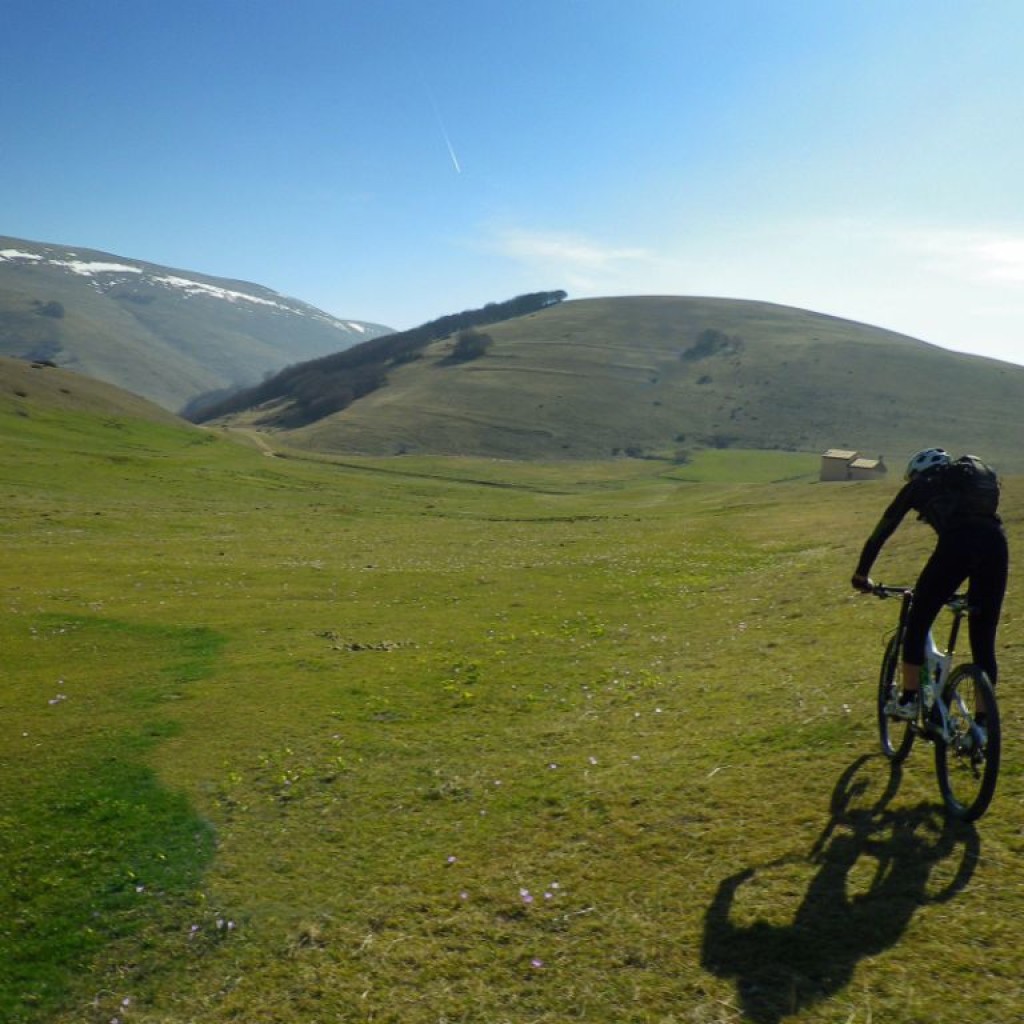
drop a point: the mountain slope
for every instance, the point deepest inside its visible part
(169, 335)
(28, 390)
(306, 392)
(652, 375)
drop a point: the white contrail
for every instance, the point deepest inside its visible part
(444, 132)
(451, 151)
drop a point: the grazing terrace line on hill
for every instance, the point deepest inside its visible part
(662, 376)
(310, 390)
(658, 377)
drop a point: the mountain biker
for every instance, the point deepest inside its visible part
(971, 546)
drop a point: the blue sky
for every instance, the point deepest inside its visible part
(395, 161)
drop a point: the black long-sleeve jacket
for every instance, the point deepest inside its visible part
(935, 499)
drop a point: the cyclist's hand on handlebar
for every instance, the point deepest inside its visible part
(862, 583)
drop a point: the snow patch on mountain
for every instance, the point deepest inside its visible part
(108, 274)
(16, 254)
(94, 268)
(81, 267)
(90, 269)
(198, 288)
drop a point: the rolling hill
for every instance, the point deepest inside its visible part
(31, 390)
(169, 335)
(662, 376)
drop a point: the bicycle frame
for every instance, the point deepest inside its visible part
(938, 662)
(967, 750)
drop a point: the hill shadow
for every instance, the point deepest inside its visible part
(875, 866)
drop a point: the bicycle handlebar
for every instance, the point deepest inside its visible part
(957, 602)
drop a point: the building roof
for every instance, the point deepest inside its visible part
(840, 453)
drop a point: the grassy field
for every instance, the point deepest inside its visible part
(412, 740)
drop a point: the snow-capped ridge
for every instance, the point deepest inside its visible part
(172, 335)
(106, 274)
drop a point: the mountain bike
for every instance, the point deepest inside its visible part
(966, 753)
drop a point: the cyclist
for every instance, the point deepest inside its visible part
(971, 546)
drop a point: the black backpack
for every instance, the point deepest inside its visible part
(976, 485)
(958, 492)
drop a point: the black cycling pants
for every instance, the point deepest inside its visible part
(976, 552)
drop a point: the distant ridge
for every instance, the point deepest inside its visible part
(662, 376)
(169, 335)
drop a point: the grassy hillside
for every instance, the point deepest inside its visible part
(35, 391)
(418, 740)
(311, 390)
(660, 376)
(169, 335)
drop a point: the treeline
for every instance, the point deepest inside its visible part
(308, 391)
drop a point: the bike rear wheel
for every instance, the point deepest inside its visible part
(967, 764)
(895, 736)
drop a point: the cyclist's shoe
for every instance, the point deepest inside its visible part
(903, 707)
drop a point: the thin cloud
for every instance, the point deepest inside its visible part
(1000, 259)
(976, 256)
(584, 264)
(955, 287)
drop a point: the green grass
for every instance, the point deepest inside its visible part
(418, 739)
(725, 465)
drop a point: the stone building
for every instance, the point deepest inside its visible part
(841, 464)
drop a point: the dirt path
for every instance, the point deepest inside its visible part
(258, 439)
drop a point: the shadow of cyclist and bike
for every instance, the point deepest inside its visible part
(873, 867)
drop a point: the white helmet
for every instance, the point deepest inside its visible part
(927, 458)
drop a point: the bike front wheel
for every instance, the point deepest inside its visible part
(966, 755)
(895, 736)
